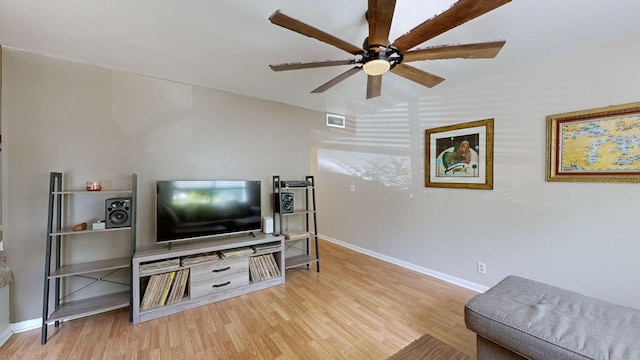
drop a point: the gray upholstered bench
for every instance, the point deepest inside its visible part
(523, 319)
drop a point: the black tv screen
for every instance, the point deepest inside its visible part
(194, 209)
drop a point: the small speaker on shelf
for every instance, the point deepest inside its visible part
(117, 212)
(285, 203)
(267, 225)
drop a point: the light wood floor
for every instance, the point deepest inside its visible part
(357, 307)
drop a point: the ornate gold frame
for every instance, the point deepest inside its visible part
(619, 118)
(485, 162)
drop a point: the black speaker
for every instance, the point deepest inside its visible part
(117, 212)
(285, 205)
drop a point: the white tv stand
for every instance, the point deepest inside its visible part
(231, 276)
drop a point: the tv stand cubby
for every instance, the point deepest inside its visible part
(207, 281)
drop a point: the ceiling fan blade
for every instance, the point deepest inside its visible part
(292, 24)
(336, 80)
(311, 65)
(421, 77)
(379, 16)
(458, 14)
(374, 86)
(485, 50)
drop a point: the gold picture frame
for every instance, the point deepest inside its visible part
(595, 145)
(460, 156)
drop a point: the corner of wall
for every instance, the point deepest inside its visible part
(5, 326)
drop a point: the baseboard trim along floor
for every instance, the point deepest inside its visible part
(407, 265)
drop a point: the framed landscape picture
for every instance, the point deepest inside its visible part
(460, 156)
(596, 145)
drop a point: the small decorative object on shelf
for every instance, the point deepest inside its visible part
(94, 186)
(80, 227)
(98, 225)
(300, 231)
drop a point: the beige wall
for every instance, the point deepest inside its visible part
(582, 236)
(4, 292)
(98, 124)
(0, 146)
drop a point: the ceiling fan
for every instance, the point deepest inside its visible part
(377, 56)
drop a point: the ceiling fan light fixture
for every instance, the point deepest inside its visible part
(379, 56)
(376, 67)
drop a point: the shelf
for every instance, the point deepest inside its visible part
(299, 260)
(267, 282)
(303, 237)
(90, 267)
(185, 248)
(265, 252)
(299, 212)
(72, 192)
(162, 271)
(296, 187)
(297, 236)
(69, 231)
(59, 267)
(91, 306)
(159, 309)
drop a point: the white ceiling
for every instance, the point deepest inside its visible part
(228, 45)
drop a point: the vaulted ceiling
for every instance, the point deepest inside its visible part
(228, 45)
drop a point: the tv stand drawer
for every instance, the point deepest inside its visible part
(219, 269)
(219, 276)
(216, 285)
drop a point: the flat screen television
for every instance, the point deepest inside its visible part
(194, 209)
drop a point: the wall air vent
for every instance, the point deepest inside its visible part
(337, 121)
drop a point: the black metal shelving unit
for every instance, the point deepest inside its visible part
(56, 271)
(285, 193)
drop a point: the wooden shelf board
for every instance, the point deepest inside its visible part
(69, 231)
(296, 261)
(299, 212)
(91, 306)
(179, 249)
(162, 271)
(259, 285)
(70, 192)
(90, 267)
(265, 252)
(297, 236)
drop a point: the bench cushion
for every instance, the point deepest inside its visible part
(539, 321)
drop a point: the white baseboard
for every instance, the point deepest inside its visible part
(22, 326)
(26, 325)
(436, 274)
(6, 334)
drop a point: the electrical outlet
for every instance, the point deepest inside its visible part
(482, 268)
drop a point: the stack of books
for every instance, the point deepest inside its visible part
(164, 265)
(200, 258)
(164, 289)
(266, 248)
(236, 252)
(263, 267)
(178, 287)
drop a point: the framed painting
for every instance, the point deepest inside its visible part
(596, 145)
(460, 156)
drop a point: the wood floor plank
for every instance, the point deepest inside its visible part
(357, 307)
